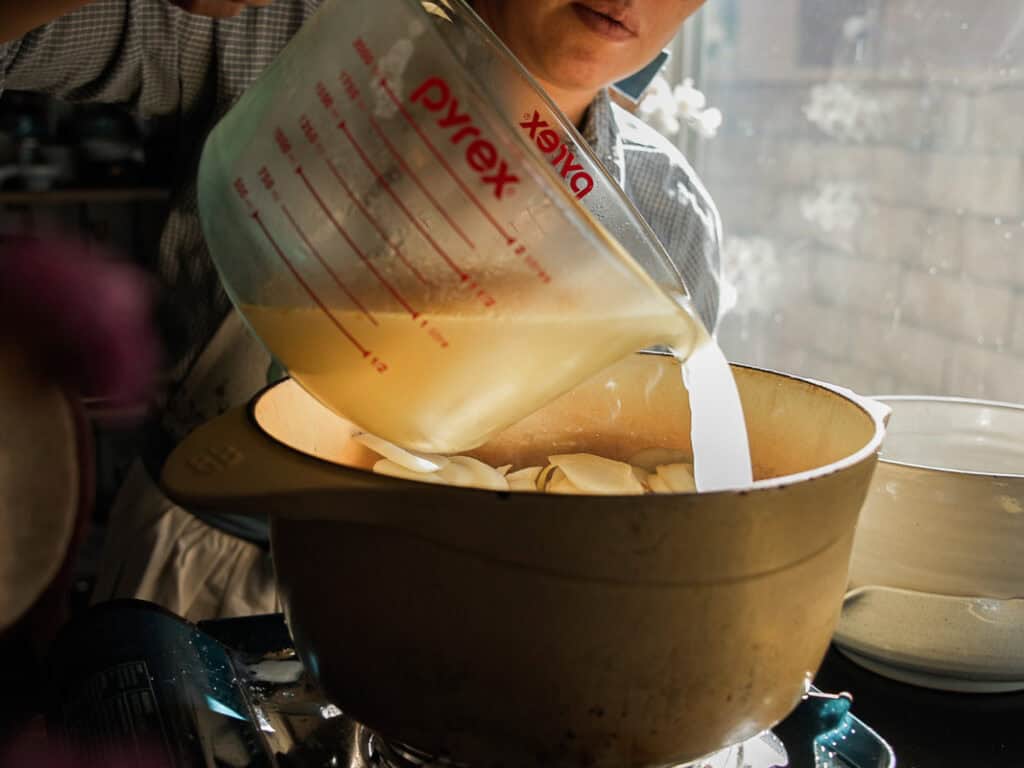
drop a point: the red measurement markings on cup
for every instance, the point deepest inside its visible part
(243, 192)
(481, 155)
(323, 262)
(416, 180)
(480, 160)
(444, 163)
(285, 146)
(352, 91)
(352, 244)
(398, 201)
(310, 132)
(364, 51)
(267, 180)
(312, 294)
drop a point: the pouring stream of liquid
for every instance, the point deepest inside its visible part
(718, 432)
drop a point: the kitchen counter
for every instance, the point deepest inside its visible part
(931, 729)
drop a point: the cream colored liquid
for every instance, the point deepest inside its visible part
(443, 399)
(718, 433)
(445, 384)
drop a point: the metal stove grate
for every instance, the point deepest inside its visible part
(234, 693)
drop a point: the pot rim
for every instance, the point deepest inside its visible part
(874, 409)
(1000, 404)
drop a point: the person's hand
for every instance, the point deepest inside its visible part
(218, 9)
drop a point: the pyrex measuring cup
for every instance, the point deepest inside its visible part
(402, 218)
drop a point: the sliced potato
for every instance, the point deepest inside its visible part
(651, 458)
(523, 479)
(657, 470)
(678, 477)
(657, 485)
(476, 474)
(414, 462)
(390, 468)
(544, 477)
(458, 474)
(597, 475)
(559, 483)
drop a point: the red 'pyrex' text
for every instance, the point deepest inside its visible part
(562, 158)
(480, 154)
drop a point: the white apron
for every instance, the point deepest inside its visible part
(157, 551)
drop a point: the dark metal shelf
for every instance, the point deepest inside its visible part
(86, 196)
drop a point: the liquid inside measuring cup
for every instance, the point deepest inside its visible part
(429, 407)
(442, 403)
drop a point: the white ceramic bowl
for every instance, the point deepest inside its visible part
(936, 594)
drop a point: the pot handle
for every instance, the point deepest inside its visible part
(228, 464)
(875, 408)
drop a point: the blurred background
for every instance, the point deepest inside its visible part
(869, 168)
(97, 173)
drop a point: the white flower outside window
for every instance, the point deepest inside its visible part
(668, 110)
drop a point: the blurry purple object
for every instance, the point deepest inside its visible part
(82, 319)
(34, 749)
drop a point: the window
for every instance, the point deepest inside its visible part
(830, 30)
(870, 175)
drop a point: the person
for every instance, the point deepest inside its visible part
(188, 61)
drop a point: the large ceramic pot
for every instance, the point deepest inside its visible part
(519, 629)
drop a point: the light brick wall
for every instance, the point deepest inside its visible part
(892, 262)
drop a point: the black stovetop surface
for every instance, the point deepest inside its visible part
(928, 728)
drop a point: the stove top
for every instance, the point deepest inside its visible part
(233, 693)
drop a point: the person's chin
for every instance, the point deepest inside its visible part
(582, 73)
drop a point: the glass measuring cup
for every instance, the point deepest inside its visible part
(402, 218)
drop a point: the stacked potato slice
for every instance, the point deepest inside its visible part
(655, 470)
